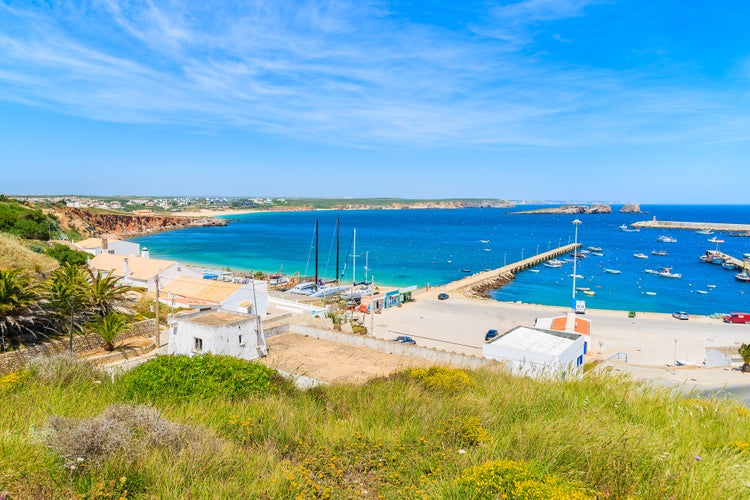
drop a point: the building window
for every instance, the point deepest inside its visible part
(197, 344)
(111, 252)
(242, 341)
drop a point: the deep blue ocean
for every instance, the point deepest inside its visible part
(420, 247)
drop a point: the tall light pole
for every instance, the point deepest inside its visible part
(576, 223)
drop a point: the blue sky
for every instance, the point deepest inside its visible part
(602, 100)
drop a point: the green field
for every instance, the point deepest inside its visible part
(213, 427)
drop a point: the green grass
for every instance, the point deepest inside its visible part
(17, 253)
(436, 433)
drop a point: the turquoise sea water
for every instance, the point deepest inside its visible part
(407, 247)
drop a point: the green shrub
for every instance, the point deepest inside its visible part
(64, 254)
(206, 376)
(442, 379)
(518, 480)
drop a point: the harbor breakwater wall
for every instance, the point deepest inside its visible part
(696, 226)
(480, 284)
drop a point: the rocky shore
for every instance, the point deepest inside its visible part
(93, 224)
(569, 209)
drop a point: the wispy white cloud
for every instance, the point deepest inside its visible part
(337, 72)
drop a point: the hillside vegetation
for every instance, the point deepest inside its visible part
(16, 253)
(435, 433)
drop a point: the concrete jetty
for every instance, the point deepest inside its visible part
(479, 283)
(696, 226)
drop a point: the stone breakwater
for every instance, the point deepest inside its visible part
(484, 288)
(94, 224)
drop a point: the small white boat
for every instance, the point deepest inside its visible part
(702, 292)
(666, 239)
(626, 229)
(583, 288)
(594, 249)
(650, 293)
(590, 293)
(651, 271)
(598, 254)
(715, 240)
(711, 286)
(577, 276)
(705, 231)
(640, 256)
(484, 241)
(729, 266)
(612, 271)
(745, 277)
(533, 270)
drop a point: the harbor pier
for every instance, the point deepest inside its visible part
(480, 283)
(695, 226)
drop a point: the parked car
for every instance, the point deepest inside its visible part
(680, 315)
(443, 296)
(737, 318)
(491, 334)
(404, 339)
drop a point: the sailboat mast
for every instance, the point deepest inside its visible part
(316, 255)
(354, 257)
(367, 258)
(338, 233)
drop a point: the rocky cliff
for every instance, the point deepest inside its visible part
(570, 209)
(94, 224)
(631, 208)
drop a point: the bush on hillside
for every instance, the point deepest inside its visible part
(206, 376)
(66, 255)
(25, 222)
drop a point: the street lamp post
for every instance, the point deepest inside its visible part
(576, 223)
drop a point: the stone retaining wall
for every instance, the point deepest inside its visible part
(14, 360)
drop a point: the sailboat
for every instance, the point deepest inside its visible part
(329, 288)
(362, 288)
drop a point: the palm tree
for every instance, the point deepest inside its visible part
(66, 296)
(104, 292)
(109, 327)
(19, 305)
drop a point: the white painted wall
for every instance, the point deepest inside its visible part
(538, 364)
(224, 339)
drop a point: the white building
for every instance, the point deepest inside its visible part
(216, 332)
(96, 246)
(200, 293)
(141, 272)
(538, 353)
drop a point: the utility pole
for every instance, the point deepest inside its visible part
(158, 341)
(70, 328)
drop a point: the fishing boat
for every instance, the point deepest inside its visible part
(660, 253)
(666, 272)
(578, 255)
(640, 256)
(594, 249)
(742, 277)
(728, 266)
(612, 271)
(666, 239)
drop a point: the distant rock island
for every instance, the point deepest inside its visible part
(570, 209)
(631, 208)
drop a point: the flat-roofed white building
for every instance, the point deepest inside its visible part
(200, 293)
(538, 353)
(96, 246)
(216, 332)
(571, 323)
(139, 271)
